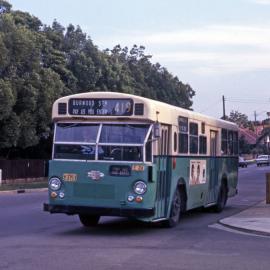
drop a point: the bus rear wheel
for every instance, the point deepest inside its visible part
(175, 211)
(89, 220)
(222, 198)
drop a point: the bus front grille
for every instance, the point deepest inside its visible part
(93, 191)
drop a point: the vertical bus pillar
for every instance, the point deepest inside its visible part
(268, 188)
(0, 177)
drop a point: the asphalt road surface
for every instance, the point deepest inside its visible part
(31, 239)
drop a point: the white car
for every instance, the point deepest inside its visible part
(242, 162)
(263, 160)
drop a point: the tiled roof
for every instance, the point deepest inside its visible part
(249, 135)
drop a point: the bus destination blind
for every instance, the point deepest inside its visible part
(100, 107)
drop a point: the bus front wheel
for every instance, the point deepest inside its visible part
(175, 211)
(89, 220)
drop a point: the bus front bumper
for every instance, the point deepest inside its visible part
(101, 211)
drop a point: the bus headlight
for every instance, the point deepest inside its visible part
(55, 183)
(140, 187)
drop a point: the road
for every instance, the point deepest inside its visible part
(32, 239)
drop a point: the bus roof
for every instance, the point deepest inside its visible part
(143, 109)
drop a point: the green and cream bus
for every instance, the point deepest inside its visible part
(118, 154)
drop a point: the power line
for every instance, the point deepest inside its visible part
(211, 106)
(248, 100)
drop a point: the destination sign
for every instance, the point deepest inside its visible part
(100, 107)
(183, 124)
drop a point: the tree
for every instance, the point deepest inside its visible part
(40, 63)
(7, 99)
(244, 146)
(4, 7)
(240, 119)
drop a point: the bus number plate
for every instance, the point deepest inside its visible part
(70, 177)
(120, 170)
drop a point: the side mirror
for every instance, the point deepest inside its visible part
(157, 130)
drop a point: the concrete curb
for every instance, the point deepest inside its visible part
(254, 220)
(245, 230)
(19, 191)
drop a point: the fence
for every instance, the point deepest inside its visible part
(23, 168)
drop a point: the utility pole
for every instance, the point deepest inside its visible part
(223, 101)
(255, 123)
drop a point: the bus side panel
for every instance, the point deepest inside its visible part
(206, 191)
(181, 175)
(168, 178)
(213, 180)
(198, 190)
(229, 170)
(221, 168)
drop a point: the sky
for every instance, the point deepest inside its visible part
(218, 47)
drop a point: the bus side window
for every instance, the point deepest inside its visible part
(230, 143)
(183, 135)
(203, 145)
(193, 138)
(183, 143)
(175, 142)
(224, 141)
(235, 143)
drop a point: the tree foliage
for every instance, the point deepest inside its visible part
(240, 119)
(40, 63)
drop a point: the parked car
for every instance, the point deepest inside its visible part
(242, 162)
(263, 160)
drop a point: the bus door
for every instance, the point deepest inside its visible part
(213, 173)
(163, 173)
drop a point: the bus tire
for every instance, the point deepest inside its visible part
(222, 198)
(173, 220)
(89, 220)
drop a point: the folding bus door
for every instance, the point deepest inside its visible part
(163, 173)
(213, 181)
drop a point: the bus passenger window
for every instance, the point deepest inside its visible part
(224, 142)
(193, 143)
(230, 143)
(183, 143)
(175, 141)
(203, 145)
(235, 143)
(183, 135)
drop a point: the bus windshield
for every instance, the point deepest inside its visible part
(123, 133)
(76, 132)
(81, 141)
